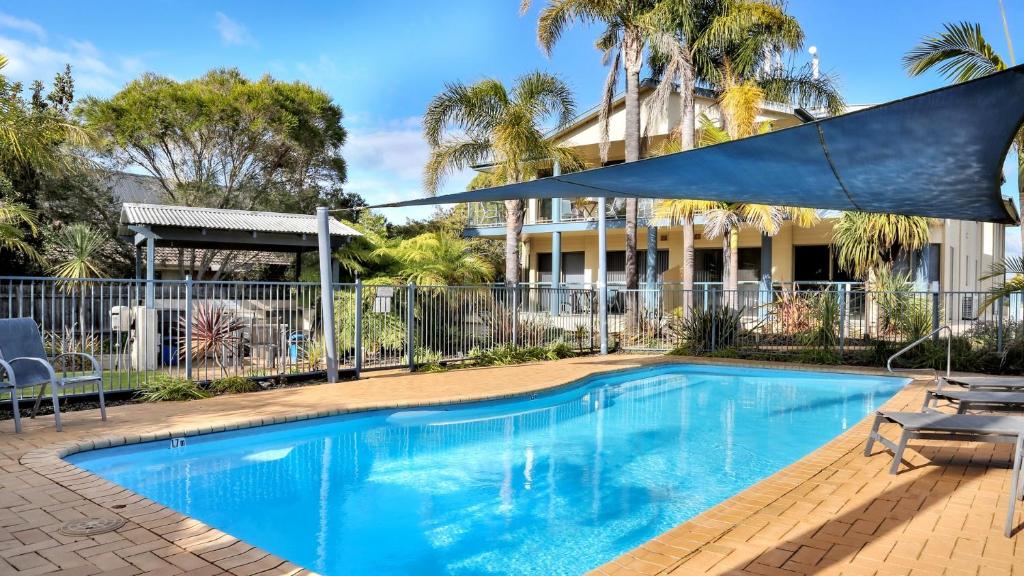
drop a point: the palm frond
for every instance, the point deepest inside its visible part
(451, 156)
(801, 88)
(607, 98)
(959, 53)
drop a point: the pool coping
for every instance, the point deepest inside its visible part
(206, 541)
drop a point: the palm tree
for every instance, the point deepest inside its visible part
(865, 242)
(77, 253)
(700, 41)
(15, 218)
(726, 220)
(684, 212)
(439, 259)
(743, 102)
(622, 43)
(961, 53)
(470, 125)
(1006, 287)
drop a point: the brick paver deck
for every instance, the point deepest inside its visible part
(830, 513)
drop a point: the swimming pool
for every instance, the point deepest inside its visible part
(554, 484)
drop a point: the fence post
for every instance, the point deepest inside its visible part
(714, 322)
(593, 304)
(358, 340)
(935, 316)
(842, 317)
(410, 322)
(999, 326)
(515, 314)
(188, 326)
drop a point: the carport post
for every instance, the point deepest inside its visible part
(323, 225)
(602, 273)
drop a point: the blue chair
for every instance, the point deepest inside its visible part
(23, 361)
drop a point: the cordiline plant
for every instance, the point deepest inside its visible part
(215, 331)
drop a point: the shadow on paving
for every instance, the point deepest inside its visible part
(835, 541)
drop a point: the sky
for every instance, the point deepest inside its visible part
(382, 61)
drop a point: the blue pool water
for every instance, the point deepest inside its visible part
(555, 484)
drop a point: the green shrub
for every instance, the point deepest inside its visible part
(161, 388)
(234, 385)
(510, 354)
(428, 360)
(706, 330)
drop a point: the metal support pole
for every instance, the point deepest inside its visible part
(150, 272)
(323, 221)
(935, 315)
(556, 271)
(188, 325)
(358, 340)
(843, 294)
(999, 325)
(515, 314)
(602, 272)
(410, 325)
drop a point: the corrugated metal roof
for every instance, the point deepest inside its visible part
(220, 219)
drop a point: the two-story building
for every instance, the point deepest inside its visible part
(561, 235)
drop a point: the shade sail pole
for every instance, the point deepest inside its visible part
(602, 273)
(323, 225)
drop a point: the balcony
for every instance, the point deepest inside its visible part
(492, 214)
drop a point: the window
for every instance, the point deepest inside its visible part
(617, 266)
(707, 265)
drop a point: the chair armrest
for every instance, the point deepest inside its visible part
(96, 368)
(49, 368)
(11, 381)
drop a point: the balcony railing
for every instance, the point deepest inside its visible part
(492, 214)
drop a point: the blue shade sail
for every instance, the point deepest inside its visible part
(937, 154)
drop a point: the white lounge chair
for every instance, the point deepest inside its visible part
(956, 427)
(24, 364)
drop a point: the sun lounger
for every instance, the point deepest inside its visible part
(1009, 383)
(975, 399)
(23, 364)
(956, 427)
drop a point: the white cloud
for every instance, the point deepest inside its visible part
(22, 25)
(94, 72)
(232, 32)
(397, 148)
(385, 164)
(320, 69)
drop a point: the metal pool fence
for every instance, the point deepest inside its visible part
(208, 330)
(839, 317)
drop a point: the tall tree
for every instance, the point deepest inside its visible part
(225, 141)
(487, 122)
(77, 253)
(692, 41)
(864, 242)
(622, 43)
(960, 53)
(43, 169)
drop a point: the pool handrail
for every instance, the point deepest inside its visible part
(949, 350)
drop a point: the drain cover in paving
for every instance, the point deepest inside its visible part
(91, 526)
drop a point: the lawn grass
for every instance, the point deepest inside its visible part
(113, 380)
